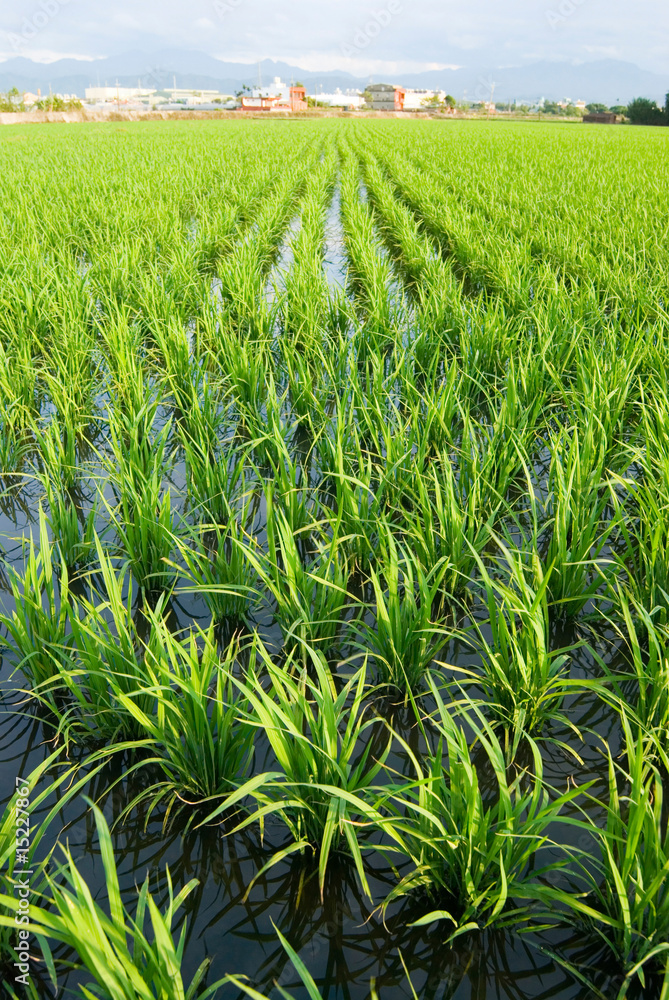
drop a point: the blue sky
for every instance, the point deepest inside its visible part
(363, 37)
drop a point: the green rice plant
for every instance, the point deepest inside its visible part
(15, 445)
(642, 505)
(127, 957)
(310, 597)
(215, 480)
(20, 840)
(69, 372)
(58, 451)
(304, 376)
(445, 526)
(145, 524)
(576, 530)
(126, 373)
(369, 271)
(72, 529)
(219, 569)
(139, 451)
(143, 518)
(38, 628)
(646, 645)
(106, 659)
(403, 640)
(643, 556)
(352, 506)
(473, 854)
(175, 367)
(203, 422)
(201, 741)
(18, 383)
(326, 766)
(289, 488)
(524, 678)
(625, 902)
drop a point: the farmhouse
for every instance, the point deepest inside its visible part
(386, 97)
(277, 97)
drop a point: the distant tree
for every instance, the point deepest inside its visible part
(450, 102)
(666, 110)
(572, 111)
(619, 109)
(552, 108)
(298, 84)
(597, 109)
(368, 98)
(643, 111)
(12, 101)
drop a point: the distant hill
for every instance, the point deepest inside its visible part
(610, 81)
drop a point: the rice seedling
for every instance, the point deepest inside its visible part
(624, 897)
(446, 527)
(646, 645)
(144, 519)
(326, 767)
(72, 528)
(58, 450)
(525, 679)
(310, 595)
(219, 569)
(200, 741)
(21, 843)
(403, 640)
(38, 628)
(472, 854)
(576, 532)
(102, 660)
(127, 956)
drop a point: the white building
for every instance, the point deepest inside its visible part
(116, 93)
(276, 89)
(351, 99)
(416, 100)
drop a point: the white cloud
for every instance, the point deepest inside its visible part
(331, 62)
(46, 56)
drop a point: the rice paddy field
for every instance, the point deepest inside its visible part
(334, 589)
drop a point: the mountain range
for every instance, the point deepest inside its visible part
(610, 81)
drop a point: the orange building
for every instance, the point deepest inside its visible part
(296, 101)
